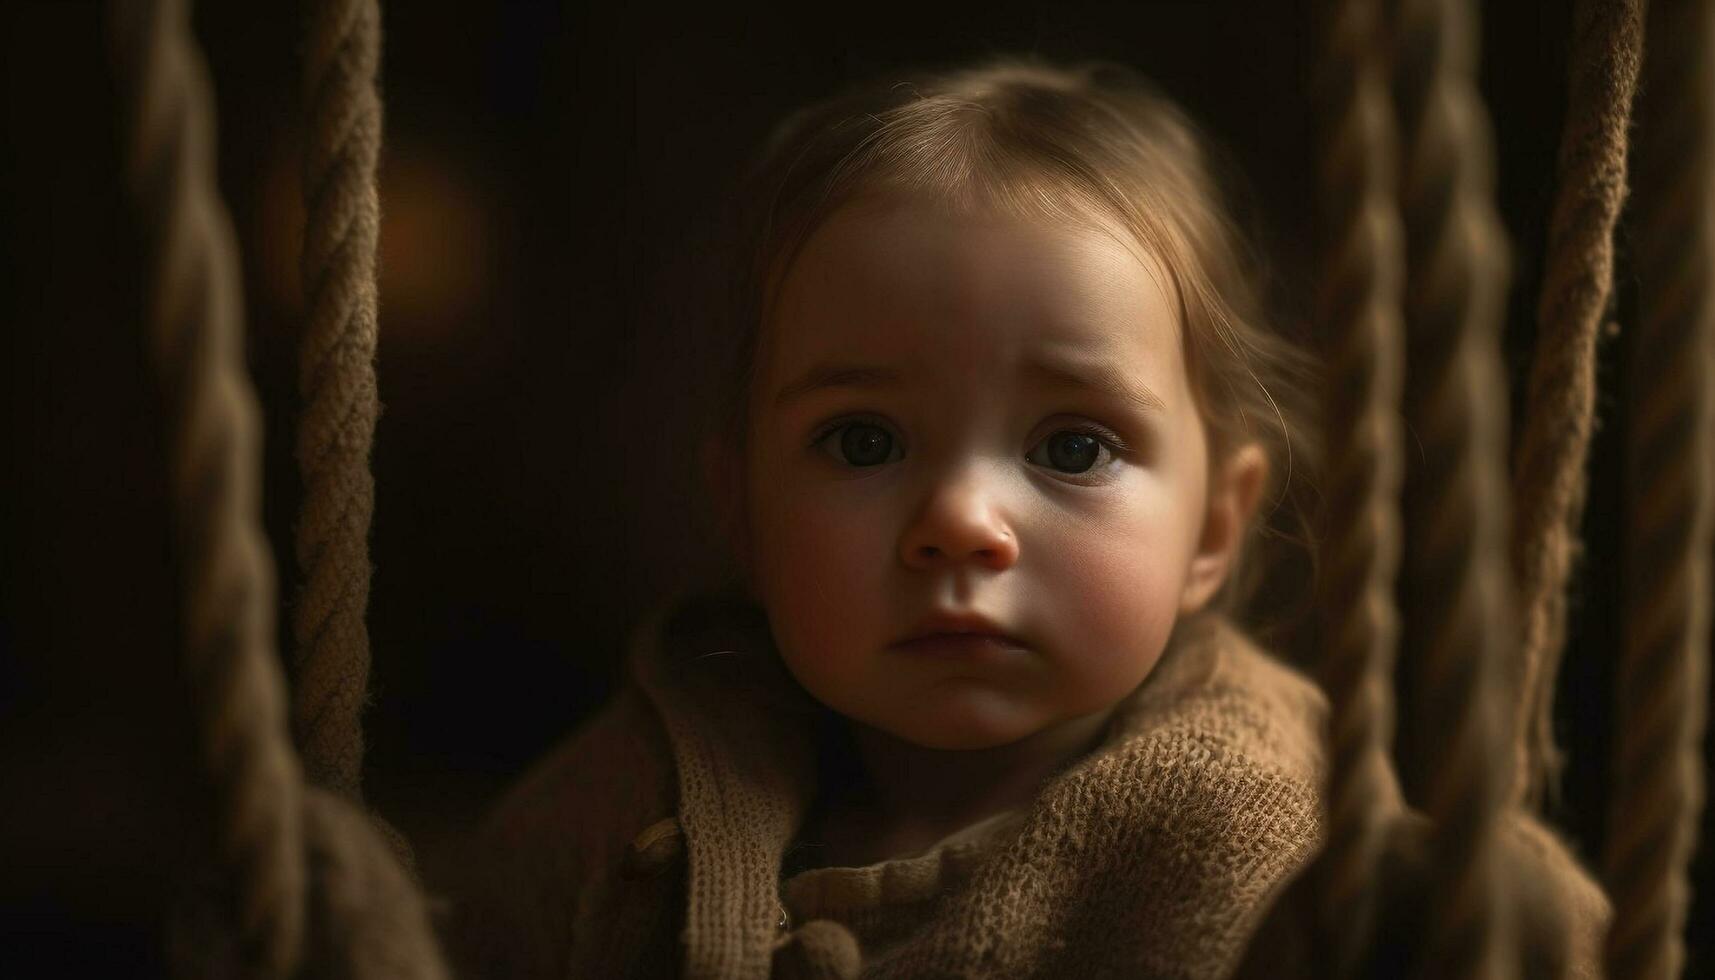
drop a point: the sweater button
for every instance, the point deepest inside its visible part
(820, 950)
(653, 850)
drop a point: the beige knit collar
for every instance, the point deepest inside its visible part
(742, 732)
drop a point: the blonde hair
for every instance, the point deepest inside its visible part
(1025, 137)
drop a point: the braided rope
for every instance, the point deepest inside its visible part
(1548, 471)
(1658, 787)
(337, 381)
(318, 888)
(1360, 307)
(1456, 506)
(196, 325)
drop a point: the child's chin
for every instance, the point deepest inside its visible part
(964, 729)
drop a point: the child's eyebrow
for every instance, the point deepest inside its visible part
(1095, 375)
(833, 375)
(1091, 375)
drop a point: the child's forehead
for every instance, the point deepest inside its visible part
(883, 221)
(913, 290)
(876, 266)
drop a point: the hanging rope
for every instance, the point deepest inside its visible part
(337, 382)
(1359, 306)
(1663, 684)
(317, 890)
(196, 329)
(1460, 630)
(1548, 471)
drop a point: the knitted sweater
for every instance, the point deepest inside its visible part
(655, 841)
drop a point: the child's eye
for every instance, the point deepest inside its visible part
(862, 444)
(1078, 451)
(1071, 451)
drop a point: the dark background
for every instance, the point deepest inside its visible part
(548, 183)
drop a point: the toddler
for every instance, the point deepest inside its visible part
(1006, 423)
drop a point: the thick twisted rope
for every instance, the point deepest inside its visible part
(1460, 629)
(317, 886)
(1658, 789)
(196, 329)
(369, 920)
(1548, 470)
(337, 382)
(1359, 307)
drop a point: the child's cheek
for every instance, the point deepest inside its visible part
(1111, 592)
(823, 563)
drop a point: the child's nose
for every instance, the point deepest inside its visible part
(959, 522)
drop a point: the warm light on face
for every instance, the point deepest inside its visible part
(980, 414)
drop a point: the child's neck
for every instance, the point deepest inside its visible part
(921, 793)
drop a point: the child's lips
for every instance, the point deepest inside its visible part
(961, 646)
(962, 622)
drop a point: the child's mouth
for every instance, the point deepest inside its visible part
(961, 646)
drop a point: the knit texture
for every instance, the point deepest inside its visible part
(651, 842)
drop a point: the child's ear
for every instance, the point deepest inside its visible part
(1235, 488)
(721, 473)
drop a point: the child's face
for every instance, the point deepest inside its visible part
(965, 483)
